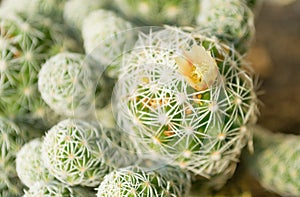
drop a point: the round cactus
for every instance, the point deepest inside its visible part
(155, 12)
(29, 164)
(105, 37)
(230, 20)
(275, 162)
(66, 85)
(136, 181)
(54, 189)
(186, 98)
(77, 152)
(11, 141)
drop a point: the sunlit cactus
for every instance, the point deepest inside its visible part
(186, 97)
(66, 85)
(55, 189)
(275, 162)
(156, 12)
(137, 181)
(11, 141)
(105, 37)
(230, 20)
(29, 164)
(78, 153)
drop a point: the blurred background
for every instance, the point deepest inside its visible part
(275, 56)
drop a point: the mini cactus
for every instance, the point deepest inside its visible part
(105, 37)
(230, 20)
(78, 153)
(155, 12)
(11, 141)
(275, 162)
(137, 181)
(66, 85)
(197, 119)
(54, 189)
(29, 164)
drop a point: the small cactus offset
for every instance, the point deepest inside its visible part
(103, 44)
(156, 12)
(275, 162)
(186, 97)
(66, 84)
(79, 153)
(167, 181)
(230, 20)
(11, 141)
(54, 189)
(29, 164)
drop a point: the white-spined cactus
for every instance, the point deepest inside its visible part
(137, 181)
(186, 97)
(29, 164)
(156, 12)
(79, 153)
(11, 141)
(276, 161)
(230, 20)
(105, 37)
(55, 189)
(66, 84)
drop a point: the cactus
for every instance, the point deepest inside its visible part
(11, 141)
(155, 12)
(186, 97)
(29, 164)
(137, 181)
(275, 162)
(230, 20)
(77, 152)
(105, 37)
(66, 85)
(54, 189)
(25, 45)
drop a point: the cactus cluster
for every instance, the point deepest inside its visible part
(183, 96)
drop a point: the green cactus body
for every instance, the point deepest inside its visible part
(66, 85)
(11, 141)
(276, 161)
(105, 37)
(230, 20)
(136, 181)
(54, 189)
(25, 45)
(195, 117)
(156, 12)
(29, 164)
(78, 153)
